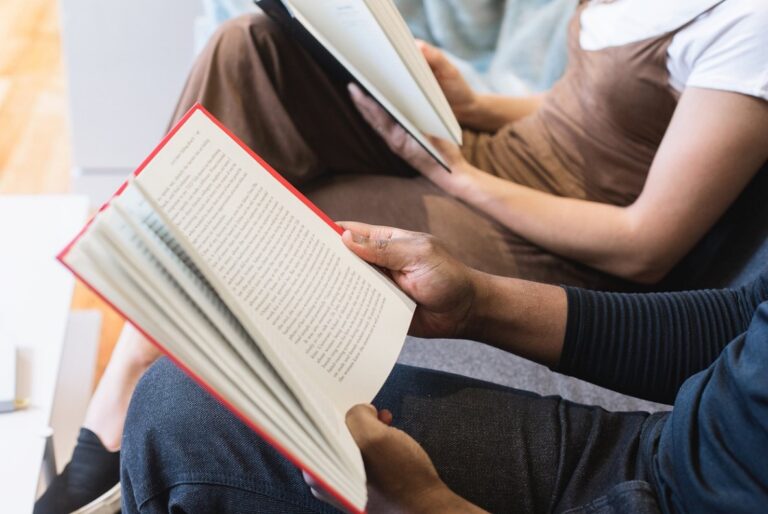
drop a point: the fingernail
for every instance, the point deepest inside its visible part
(359, 239)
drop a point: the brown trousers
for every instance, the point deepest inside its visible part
(272, 95)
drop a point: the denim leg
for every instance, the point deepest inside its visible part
(508, 450)
(500, 448)
(182, 451)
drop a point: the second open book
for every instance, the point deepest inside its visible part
(249, 288)
(369, 42)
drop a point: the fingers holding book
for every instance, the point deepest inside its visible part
(380, 120)
(410, 150)
(401, 476)
(444, 288)
(461, 97)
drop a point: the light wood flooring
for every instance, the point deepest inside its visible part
(34, 132)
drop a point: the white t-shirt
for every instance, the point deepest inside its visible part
(726, 48)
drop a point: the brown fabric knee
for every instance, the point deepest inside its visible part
(264, 87)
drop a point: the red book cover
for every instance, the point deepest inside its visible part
(255, 427)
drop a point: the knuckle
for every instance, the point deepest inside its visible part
(428, 243)
(399, 137)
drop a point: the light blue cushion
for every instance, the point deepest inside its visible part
(506, 46)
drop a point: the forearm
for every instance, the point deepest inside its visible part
(490, 112)
(712, 147)
(645, 345)
(521, 317)
(607, 237)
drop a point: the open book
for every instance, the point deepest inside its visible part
(368, 42)
(249, 288)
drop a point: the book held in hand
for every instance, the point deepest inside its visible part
(249, 288)
(368, 42)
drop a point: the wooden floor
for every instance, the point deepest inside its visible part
(34, 132)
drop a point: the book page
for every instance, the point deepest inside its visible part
(399, 34)
(134, 220)
(348, 28)
(144, 293)
(330, 321)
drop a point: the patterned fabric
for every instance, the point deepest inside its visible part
(514, 46)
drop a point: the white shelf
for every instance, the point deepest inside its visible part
(35, 300)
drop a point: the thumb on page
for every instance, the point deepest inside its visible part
(380, 249)
(365, 426)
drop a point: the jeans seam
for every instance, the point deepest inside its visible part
(233, 482)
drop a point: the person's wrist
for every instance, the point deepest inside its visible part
(482, 295)
(467, 111)
(477, 114)
(464, 181)
(470, 111)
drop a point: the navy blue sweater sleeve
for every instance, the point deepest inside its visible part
(713, 449)
(647, 345)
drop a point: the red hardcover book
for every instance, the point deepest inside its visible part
(247, 287)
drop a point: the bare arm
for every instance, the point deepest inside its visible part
(490, 112)
(517, 316)
(713, 146)
(521, 317)
(609, 339)
(715, 143)
(484, 112)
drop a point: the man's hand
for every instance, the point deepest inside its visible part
(401, 476)
(402, 144)
(462, 99)
(444, 288)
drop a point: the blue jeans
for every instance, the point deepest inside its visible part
(503, 449)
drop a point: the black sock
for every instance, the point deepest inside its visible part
(92, 471)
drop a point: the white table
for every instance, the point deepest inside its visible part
(35, 298)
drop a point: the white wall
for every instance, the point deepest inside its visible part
(126, 62)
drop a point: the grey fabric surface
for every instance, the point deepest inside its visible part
(486, 363)
(733, 253)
